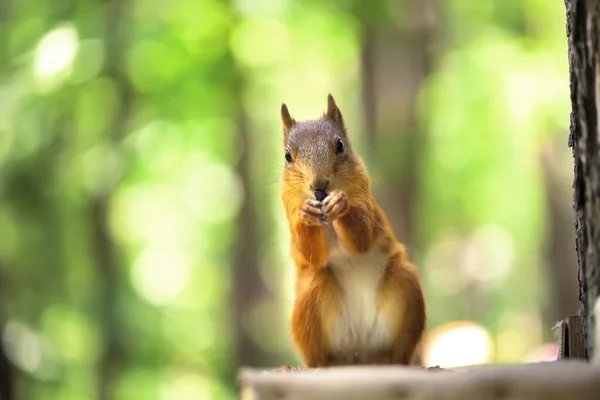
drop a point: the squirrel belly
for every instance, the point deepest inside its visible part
(360, 333)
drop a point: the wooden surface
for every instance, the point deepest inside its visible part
(547, 381)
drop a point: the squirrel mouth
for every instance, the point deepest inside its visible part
(320, 195)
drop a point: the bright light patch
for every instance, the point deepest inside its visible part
(522, 96)
(190, 330)
(259, 42)
(160, 276)
(458, 344)
(150, 215)
(489, 254)
(184, 385)
(89, 62)
(442, 265)
(213, 191)
(262, 7)
(56, 51)
(547, 352)
(511, 345)
(22, 346)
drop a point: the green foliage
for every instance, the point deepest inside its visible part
(141, 108)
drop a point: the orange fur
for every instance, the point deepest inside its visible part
(357, 298)
(316, 300)
(356, 229)
(401, 286)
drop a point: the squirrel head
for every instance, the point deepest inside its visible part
(319, 156)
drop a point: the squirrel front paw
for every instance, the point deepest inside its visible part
(312, 213)
(335, 205)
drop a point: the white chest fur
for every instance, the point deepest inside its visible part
(360, 333)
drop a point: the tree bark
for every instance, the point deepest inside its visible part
(561, 261)
(582, 33)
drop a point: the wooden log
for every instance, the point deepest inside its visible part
(547, 381)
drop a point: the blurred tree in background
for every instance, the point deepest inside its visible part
(143, 246)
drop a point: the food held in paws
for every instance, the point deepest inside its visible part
(320, 195)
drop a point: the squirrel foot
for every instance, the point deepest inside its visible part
(287, 368)
(435, 368)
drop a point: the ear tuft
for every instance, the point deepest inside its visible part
(286, 119)
(333, 112)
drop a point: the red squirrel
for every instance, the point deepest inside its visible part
(358, 300)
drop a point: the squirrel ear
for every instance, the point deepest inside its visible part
(288, 121)
(333, 112)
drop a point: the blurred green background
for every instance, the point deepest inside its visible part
(143, 243)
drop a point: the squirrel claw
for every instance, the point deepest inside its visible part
(335, 205)
(286, 368)
(312, 212)
(315, 203)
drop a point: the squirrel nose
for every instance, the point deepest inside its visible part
(319, 184)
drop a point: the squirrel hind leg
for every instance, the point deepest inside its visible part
(402, 358)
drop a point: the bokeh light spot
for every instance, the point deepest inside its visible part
(442, 264)
(55, 52)
(259, 42)
(89, 61)
(150, 214)
(489, 254)
(73, 336)
(159, 275)
(458, 344)
(213, 191)
(189, 330)
(184, 385)
(22, 346)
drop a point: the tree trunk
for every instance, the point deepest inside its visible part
(369, 95)
(104, 256)
(582, 32)
(101, 237)
(395, 62)
(248, 286)
(561, 262)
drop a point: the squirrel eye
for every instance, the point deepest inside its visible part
(339, 146)
(288, 157)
